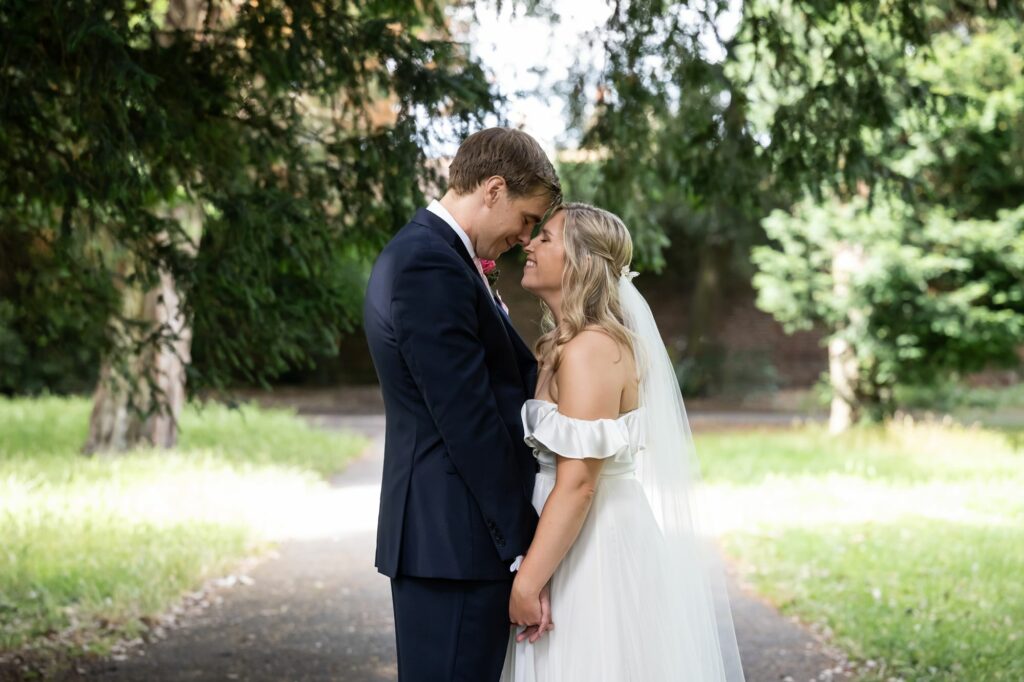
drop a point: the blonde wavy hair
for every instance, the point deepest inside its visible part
(597, 248)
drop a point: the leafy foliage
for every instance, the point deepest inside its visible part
(941, 289)
(718, 126)
(294, 125)
(707, 116)
(929, 299)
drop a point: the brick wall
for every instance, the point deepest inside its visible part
(745, 331)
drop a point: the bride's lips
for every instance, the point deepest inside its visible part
(530, 263)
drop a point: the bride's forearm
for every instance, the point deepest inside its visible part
(560, 522)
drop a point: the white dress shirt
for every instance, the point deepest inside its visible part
(441, 212)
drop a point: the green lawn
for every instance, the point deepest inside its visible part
(905, 542)
(92, 545)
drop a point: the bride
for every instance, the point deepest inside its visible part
(635, 590)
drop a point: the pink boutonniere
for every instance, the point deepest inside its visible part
(491, 272)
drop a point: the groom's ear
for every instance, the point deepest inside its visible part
(493, 189)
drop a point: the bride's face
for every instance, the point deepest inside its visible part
(545, 257)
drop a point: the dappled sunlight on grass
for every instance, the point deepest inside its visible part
(904, 452)
(905, 542)
(168, 489)
(923, 600)
(80, 580)
(93, 544)
(813, 502)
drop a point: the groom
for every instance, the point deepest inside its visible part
(455, 509)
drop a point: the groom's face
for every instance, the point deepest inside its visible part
(506, 220)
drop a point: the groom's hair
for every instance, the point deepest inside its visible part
(507, 152)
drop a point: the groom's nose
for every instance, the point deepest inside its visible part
(524, 237)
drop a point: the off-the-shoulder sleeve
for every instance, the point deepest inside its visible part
(578, 438)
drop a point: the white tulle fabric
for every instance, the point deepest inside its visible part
(640, 596)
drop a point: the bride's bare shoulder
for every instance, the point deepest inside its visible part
(589, 378)
(592, 345)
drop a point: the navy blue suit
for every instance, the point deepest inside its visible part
(455, 505)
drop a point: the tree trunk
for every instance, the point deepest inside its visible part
(844, 367)
(705, 313)
(843, 375)
(138, 401)
(140, 405)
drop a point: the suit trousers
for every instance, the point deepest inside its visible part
(450, 630)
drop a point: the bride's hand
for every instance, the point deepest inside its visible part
(524, 604)
(535, 632)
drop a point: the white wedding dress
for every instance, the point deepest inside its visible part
(640, 595)
(610, 623)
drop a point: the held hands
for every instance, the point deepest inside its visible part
(530, 610)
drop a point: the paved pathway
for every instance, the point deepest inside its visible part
(319, 611)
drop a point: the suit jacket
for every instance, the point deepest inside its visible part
(455, 495)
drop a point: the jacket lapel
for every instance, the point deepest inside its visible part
(522, 353)
(438, 226)
(525, 359)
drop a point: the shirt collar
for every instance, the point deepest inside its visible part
(441, 212)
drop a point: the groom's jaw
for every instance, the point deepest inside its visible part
(500, 249)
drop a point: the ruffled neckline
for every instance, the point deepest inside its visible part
(546, 428)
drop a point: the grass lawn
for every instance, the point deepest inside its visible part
(906, 542)
(91, 546)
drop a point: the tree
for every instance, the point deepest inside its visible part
(925, 282)
(243, 157)
(906, 302)
(703, 129)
